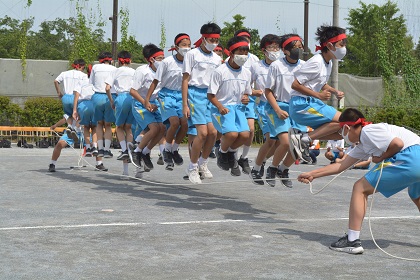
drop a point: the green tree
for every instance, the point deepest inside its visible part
(129, 42)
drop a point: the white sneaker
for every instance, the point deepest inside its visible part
(125, 176)
(204, 171)
(194, 176)
(139, 173)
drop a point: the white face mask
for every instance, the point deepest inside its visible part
(346, 137)
(183, 51)
(273, 55)
(157, 63)
(339, 53)
(240, 59)
(210, 47)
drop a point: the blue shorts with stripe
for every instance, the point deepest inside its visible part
(86, 112)
(399, 172)
(199, 106)
(310, 111)
(234, 121)
(123, 109)
(102, 107)
(171, 103)
(67, 101)
(250, 109)
(262, 117)
(70, 141)
(143, 116)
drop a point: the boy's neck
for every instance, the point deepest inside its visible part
(179, 57)
(327, 56)
(203, 48)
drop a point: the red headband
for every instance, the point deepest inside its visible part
(291, 39)
(359, 121)
(332, 40)
(105, 59)
(124, 60)
(237, 45)
(218, 48)
(156, 54)
(244, 33)
(179, 39)
(75, 65)
(211, 35)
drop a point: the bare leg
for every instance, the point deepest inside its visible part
(358, 203)
(210, 140)
(282, 149)
(57, 149)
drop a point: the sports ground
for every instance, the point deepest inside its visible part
(84, 224)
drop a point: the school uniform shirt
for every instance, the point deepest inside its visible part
(98, 76)
(375, 139)
(200, 65)
(142, 79)
(280, 77)
(335, 144)
(169, 73)
(121, 79)
(313, 75)
(259, 72)
(85, 90)
(70, 79)
(229, 85)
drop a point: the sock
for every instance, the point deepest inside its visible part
(123, 145)
(73, 124)
(282, 167)
(138, 138)
(145, 151)
(353, 235)
(193, 165)
(175, 147)
(256, 167)
(223, 152)
(94, 144)
(232, 150)
(107, 144)
(137, 150)
(125, 167)
(201, 161)
(168, 147)
(53, 162)
(245, 150)
(87, 146)
(98, 162)
(161, 148)
(271, 165)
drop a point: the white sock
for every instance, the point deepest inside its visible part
(138, 139)
(282, 167)
(98, 162)
(94, 144)
(125, 168)
(245, 150)
(232, 150)
(193, 165)
(107, 144)
(353, 235)
(53, 162)
(271, 165)
(256, 167)
(137, 150)
(223, 152)
(145, 151)
(168, 147)
(175, 147)
(87, 146)
(161, 148)
(123, 145)
(201, 161)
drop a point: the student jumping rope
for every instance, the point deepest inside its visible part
(396, 152)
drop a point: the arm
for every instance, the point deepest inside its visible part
(76, 99)
(323, 95)
(59, 123)
(57, 89)
(212, 98)
(273, 103)
(135, 94)
(332, 90)
(152, 88)
(108, 93)
(185, 108)
(394, 147)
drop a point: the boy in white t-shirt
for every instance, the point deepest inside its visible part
(397, 147)
(229, 90)
(335, 150)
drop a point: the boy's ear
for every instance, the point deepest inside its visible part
(330, 46)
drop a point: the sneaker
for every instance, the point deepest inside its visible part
(160, 160)
(256, 177)
(306, 157)
(284, 175)
(177, 158)
(262, 169)
(101, 167)
(244, 164)
(135, 157)
(235, 170)
(223, 161)
(170, 166)
(212, 153)
(344, 245)
(167, 157)
(298, 148)
(94, 151)
(194, 176)
(139, 173)
(125, 176)
(270, 177)
(123, 155)
(108, 154)
(51, 168)
(88, 152)
(204, 171)
(74, 136)
(148, 165)
(68, 131)
(231, 159)
(100, 153)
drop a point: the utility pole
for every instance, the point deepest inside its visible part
(334, 72)
(114, 20)
(305, 31)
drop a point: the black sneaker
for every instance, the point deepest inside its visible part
(212, 153)
(148, 165)
(100, 153)
(101, 167)
(108, 154)
(88, 152)
(94, 151)
(123, 155)
(170, 166)
(223, 161)
(256, 177)
(74, 136)
(244, 163)
(262, 169)
(294, 143)
(270, 177)
(231, 159)
(305, 151)
(177, 158)
(68, 131)
(284, 175)
(167, 157)
(51, 168)
(344, 245)
(160, 160)
(234, 170)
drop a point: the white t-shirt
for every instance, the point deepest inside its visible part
(121, 79)
(70, 79)
(375, 139)
(229, 85)
(252, 59)
(313, 75)
(259, 71)
(142, 79)
(200, 66)
(169, 73)
(335, 144)
(85, 90)
(281, 75)
(98, 76)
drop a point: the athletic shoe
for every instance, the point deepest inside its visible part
(139, 173)
(284, 175)
(344, 245)
(68, 131)
(177, 158)
(100, 153)
(223, 161)
(262, 169)
(204, 171)
(270, 177)
(170, 166)
(160, 160)
(256, 178)
(194, 176)
(306, 157)
(135, 157)
(94, 151)
(235, 170)
(231, 159)
(167, 157)
(108, 154)
(148, 165)
(298, 148)
(212, 153)
(101, 167)
(74, 136)
(123, 155)
(88, 152)
(51, 168)
(244, 164)
(125, 176)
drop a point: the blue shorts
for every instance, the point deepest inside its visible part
(234, 121)
(171, 103)
(399, 172)
(102, 107)
(67, 100)
(123, 109)
(143, 116)
(85, 111)
(192, 131)
(70, 141)
(275, 124)
(199, 106)
(310, 111)
(250, 109)
(262, 117)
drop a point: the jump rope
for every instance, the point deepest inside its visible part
(81, 158)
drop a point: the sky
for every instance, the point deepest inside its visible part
(187, 16)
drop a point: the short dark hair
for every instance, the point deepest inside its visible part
(235, 40)
(351, 115)
(124, 54)
(326, 32)
(243, 30)
(268, 40)
(210, 28)
(79, 61)
(179, 35)
(149, 50)
(103, 55)
(290, 45)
